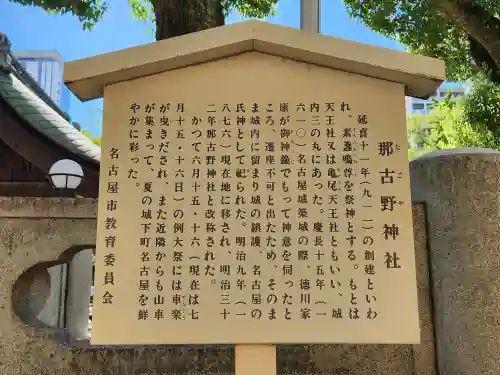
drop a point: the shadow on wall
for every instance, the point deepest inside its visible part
(56, 297)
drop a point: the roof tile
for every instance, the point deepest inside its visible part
(44, 119)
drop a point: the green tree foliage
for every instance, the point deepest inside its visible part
(92, 137)
(95, 118)
(440, 129)
(482, 107)
(464, 33)
(144, 9)
(89, 12)
(453, 124)
(172, 17)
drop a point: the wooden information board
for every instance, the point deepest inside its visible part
(252, 200)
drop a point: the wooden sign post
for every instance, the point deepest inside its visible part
(255, 359)
(254, 190)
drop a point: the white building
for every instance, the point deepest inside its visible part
(46, 68)
(424, 106)
(415, 106)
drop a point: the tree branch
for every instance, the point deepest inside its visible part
(478, 23)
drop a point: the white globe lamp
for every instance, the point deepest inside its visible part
(65, 174)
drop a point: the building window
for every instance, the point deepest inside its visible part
(418, 106)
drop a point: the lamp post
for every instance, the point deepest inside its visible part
(65, 175)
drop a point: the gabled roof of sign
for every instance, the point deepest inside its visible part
(88, 77)
(29, 101)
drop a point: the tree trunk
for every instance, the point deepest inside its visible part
(482, 28)
(179, 17)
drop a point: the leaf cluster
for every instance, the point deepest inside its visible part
(92, 137)
(420, 26)
(89, 12)
(473, 121)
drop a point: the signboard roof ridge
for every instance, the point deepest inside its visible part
(87, 77)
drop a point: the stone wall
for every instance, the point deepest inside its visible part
(38, 233)
(460, 189)
(455, 216)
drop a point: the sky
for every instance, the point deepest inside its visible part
(31, 29)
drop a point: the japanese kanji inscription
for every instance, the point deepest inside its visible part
(254, 200)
